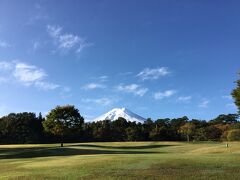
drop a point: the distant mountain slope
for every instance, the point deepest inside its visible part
(115, 113)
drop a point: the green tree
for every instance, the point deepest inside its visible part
(119, 126)
(175, 125)
(213, 133)
(236, 95)
(40, 118)
(63, 121)
(187, 130)
(161, 130)
(131, 133)
(20, 128)
(225, 119)
(200, 135)
(234, 135)
(101, 131)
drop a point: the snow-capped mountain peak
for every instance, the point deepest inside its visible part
(115, 113)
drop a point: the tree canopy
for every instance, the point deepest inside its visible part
(65, 124)
(236, 94)
(63, 121)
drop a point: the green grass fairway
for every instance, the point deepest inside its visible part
(121, 160)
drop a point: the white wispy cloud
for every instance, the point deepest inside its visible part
(100, 78)
(141, 91)
(4, 44)
(132, 88)
(25, 74)
(28, 74)
(184, 98)
(91, 86)
(103, 78)
(54, 31)
(165, 94)
(46, 85)
(83, 44)
(204, 103)
(99, 101)
(148, 73)
(67, 41)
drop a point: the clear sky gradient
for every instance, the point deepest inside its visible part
(157, 58)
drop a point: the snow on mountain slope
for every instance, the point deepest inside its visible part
(115, 113)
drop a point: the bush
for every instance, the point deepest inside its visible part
(234, 135)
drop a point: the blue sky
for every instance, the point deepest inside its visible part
(158, 58)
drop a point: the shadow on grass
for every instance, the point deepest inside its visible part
(124, 147)
(15, 153)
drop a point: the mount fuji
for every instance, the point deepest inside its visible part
(115, 113)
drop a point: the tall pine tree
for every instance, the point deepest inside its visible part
(236, 95)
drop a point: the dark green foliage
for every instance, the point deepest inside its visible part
(200, 135)
(236, 95)
(161, 130)
(234, 135)
(20, 128)
(213, 133)
(159, 133)
(225, 119)
(101, 131)
(64, 122)
(188, 130)
(235, 126)
(132, 133)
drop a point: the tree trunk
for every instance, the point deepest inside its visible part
(62, 141)
(188, 139)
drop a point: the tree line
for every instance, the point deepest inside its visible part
(65, 124)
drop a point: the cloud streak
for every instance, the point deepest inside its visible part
(133, 88)
(92, 86)
(204, 103)
(99, 101)
(184, 98)
(67, 41)
(153, 74)
(161, 95)
(28, 74)
(46, 85)
(25, 74)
